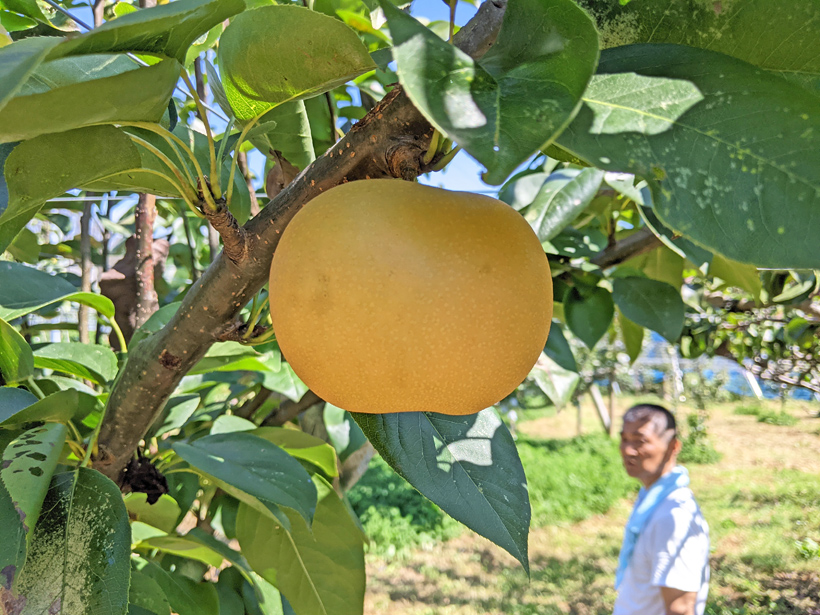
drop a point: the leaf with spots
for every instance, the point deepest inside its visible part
(13, 545)
(779, 36)
(731, 152)
(60, 406)
(28, 462)
(467, 465)
(79, 552)
(517, 97)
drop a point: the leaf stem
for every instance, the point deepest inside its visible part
(204, 116)
(34, 388)
(92, 441)
(190, 193)
(239, 143)
(118, 332)
(256, 312)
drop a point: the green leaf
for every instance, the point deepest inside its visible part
(81, 156)
(55, 98)
(672, 240)
(29, 8)
(145, 593)
(18, 61)
(14, 400)
(514, 100)
(233, 356)
(564, 195)
(661, 264)
(25, 290)
(78, 559)
(162, 514)
(313, 53)
(186, 597)
(16, 360)
(321, 572)
(557, 348)
(166, 30)
(13, 545)
(345, 435)
(256, 471)
(588, 313)
(555, 380)
(303, 446)
(775, 36)
(632, 335)
(736, 274)
(228, 423)
(689, 122)
(651, 304)
(184, 547)
(155, 322)
(467, 465)
(286, 382)
(25, 248)
(88, 361)
(28, 463)
(290, 134)
(176, 413)
(60, 407)
(217, 546)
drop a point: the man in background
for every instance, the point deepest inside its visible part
(663, 568)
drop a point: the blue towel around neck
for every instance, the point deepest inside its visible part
(648, 500)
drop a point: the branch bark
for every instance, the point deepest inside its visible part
(389, 142)
(640, 242)
(147, 300)
(85, 271)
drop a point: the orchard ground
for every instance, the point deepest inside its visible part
(762, 502)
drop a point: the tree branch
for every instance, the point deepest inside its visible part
(289, 410)
(389, 142)
(640, 242)
(147, 301)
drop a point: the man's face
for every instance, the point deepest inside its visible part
(644, 451)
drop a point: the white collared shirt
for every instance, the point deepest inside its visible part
(671, 551)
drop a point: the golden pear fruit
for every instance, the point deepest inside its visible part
(390, 296)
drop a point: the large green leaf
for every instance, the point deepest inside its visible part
(89, 361)
(289, 132)
(166, 30)
(78, 559)
(518, 97)
(651, 304)
(741, 275)
(25, 289)
(186, 597)
(302, 446)
(16, 361)
(47, 166)
(468, 465)
(564, 195)
(29, 460)
(162, 514)
(780, 36)
(286, 382)
(146, 594)
(588, 313)
(558, 349)
(59, 407)
(13, 545)
(555, 380)
(55, 98)
(345, 435)
(18, 61)
(255, 471)
(29, 8)
(184, 547)
(632, 335)
(731, 152)
(14, 400)
(275, 54)
(320, 571)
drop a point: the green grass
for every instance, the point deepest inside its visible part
(748, 409)
(783, 419)
(571, 480)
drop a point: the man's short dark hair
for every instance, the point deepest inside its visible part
(660, 417)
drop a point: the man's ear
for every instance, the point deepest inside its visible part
(676, 446)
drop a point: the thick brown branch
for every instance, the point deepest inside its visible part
(639, 242)
(235, 245)
(394, 135)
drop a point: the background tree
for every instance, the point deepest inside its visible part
(669, 150)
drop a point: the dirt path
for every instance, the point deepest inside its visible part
(572, 566)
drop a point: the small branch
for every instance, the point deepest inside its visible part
(242, 163)
(289, 410)
(147, 300)
(191, 247)
(235, 245)
(640, 242)
(85, 270)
